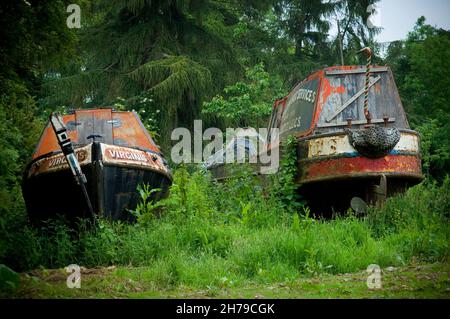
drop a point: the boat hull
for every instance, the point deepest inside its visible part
(332, 157)
(332, 172)
(113, 174)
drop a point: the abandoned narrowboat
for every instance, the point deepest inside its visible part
(354, 140)
(353, 136)
(115, 154)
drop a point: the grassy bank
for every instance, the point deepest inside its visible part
(414, 281)
(215, 236)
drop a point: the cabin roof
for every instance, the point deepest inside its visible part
(122, 128)
(323, 71)
(326, 99)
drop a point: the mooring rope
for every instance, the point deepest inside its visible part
(367, 83)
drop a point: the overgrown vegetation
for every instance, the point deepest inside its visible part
(212, 235)
(246, 103)
(225, 62)
(215, 235)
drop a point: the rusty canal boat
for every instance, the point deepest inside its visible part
(115, 154)
(354, 141)
(353, 136)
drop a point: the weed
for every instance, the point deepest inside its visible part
(217, 235)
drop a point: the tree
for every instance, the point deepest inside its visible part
(353, 32)
(33, 37)
(423, 76)
(247, 103)
(308, 24)
(305, 21)
(176, 51)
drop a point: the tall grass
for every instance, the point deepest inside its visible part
(211, 234)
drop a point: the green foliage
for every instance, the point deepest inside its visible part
(284, 186)
(305, 20)
(425, 85)
(39, 40)
(147, 208)
(425, 204)
(246, 103)
(9, 280)
(417, 223)
(211, 235)
(435, 147)
(18, 130)
(423, 74)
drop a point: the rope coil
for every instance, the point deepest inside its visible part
(367, 83)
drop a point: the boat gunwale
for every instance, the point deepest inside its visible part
(168, 174)
(343, 132)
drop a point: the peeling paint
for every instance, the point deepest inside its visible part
(101, 122)
(340, 144)
(406, 165)
(132, 158)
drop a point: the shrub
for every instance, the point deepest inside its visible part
(214, 235)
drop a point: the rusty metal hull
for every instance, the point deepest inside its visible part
(331, 157)
(353, 135)
(407, 166)
(331, 172)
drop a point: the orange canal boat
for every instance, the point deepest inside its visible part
(115, 153)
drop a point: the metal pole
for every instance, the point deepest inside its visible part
(66, 146)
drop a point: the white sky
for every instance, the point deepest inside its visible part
(399, 16)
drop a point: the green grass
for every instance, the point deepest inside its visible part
(230, 237)
(414, 281)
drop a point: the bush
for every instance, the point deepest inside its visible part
(202, 237)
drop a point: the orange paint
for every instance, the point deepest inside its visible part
(377, 88)
(346, 167)
(325, 91)
(130, 131)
